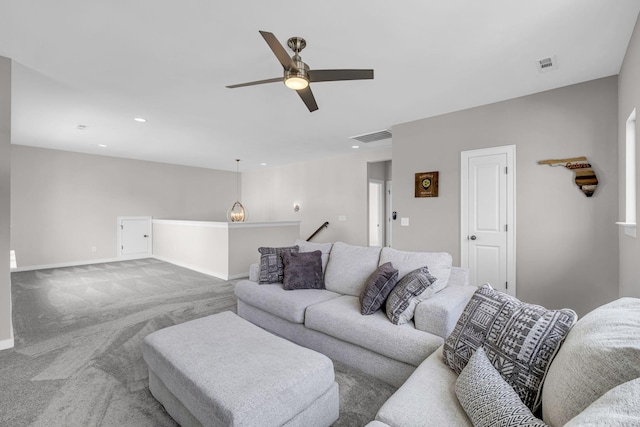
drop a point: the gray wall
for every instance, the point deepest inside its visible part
(628, 99)
(65, 203)
(567, 244)
(325, 190)
(6, 333)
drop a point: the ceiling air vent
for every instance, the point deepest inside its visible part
(547, 64)
(373, 136)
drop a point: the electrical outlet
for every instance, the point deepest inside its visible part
(94, 249)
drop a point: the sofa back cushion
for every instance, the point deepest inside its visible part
(439, 263)
(601, 351)
(349, 267)
(324, 248)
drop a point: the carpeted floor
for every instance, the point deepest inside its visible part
(79, 330)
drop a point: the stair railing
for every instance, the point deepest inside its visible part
(325, 225)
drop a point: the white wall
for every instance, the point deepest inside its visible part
(6, 332)
(567, 244)
(325, 190)
(65, 203)
(628, 99)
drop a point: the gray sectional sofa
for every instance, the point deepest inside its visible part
(593, 379)
(329, 320)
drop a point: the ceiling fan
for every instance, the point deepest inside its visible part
(297, 74)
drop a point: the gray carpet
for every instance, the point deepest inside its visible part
(79, 330)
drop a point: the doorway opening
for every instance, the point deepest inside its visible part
(379, 203)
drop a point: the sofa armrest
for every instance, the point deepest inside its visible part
(438, 315)
(254, 272)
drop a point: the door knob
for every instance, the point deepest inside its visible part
(473, 237)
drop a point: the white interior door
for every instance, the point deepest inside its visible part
(488, 217)
(134, 237)
(388, 213)
(376, 213)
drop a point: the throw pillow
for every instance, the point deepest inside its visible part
(489, 400)
(601, 352)
(302, 270)
(271, 267)
(410, 290)
(378, 287)
(325, 248)
(519, 339)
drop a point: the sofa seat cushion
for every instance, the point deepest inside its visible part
(427, 398)
(341, 318)
(349, 268)
(601, 352)
(288, 305)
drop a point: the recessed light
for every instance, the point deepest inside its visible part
(355, 146)
(81, 127)
(102, 145)
(263, 164)
(140, 119)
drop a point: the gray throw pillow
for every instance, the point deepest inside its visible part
(489, 400)
(302, 270)
(271, 267)
(410, 290)
(519, 339)
(377, 288)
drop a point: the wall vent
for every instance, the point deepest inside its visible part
(373, 136)
(547, 64)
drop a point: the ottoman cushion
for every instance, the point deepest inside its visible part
(227, 371)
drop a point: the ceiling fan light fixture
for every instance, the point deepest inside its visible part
(296, 82)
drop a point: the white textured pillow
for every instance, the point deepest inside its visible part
(349, 267)
(601, 352)
(324, 248)
(617, 407)
(488, 399)
(439, 263)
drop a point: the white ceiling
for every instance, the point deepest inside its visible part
(100, 63)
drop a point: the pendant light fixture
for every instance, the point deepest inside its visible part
(237, 213)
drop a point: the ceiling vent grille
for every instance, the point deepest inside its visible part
(373, 136)
(547, 64)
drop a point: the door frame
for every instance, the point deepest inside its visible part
(510, 151)
(388, 212)
(147, 254)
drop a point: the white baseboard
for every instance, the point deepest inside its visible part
(217, 274)
(77, 263)
(7, 344)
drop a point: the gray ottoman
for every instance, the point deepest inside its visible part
(221, 370)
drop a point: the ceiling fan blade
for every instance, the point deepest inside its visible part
(258, 82)
(308, 98)
(279, 51)
(334, 75)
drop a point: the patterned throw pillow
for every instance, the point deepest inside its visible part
(271, 267)
(302, 270)
(489, 400)
(378, 287)
(519, 339)
(410, 290)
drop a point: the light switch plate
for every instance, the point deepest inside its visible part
(404, 222)
(342, 217)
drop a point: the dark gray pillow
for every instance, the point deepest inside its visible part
(377, 288)
(302, 270)
(271, 267)
(519, 339)
(410, 290)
